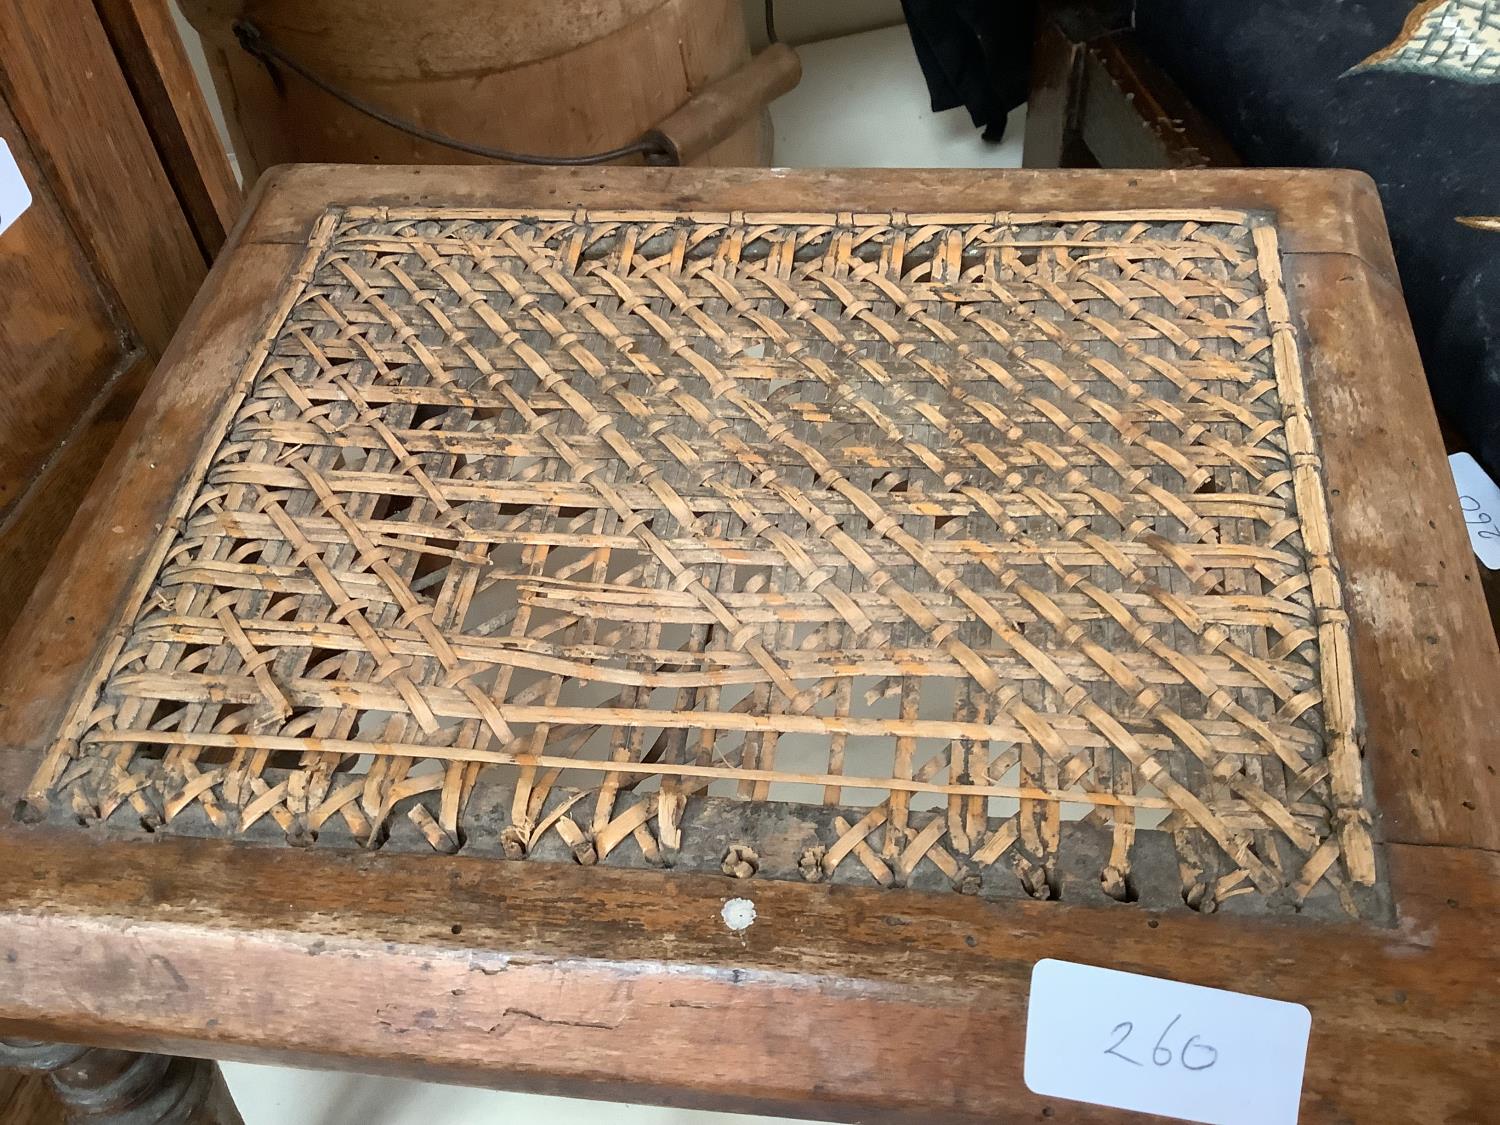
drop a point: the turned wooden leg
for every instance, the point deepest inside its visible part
(99, 1085)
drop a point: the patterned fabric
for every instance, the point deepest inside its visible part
(1421, 114)
(1457, 39)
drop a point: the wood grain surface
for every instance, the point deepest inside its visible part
(67, 92)
(95, 275)
(26, 1100)
(1423, 650)
(1329, 212)
(32, 528)
(839, 1002)
(156, 65)
(60, 337)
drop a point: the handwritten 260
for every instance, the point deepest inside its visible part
(1193, 1055)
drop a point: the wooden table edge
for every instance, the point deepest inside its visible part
(1337, 210)
(839, 1002)
(1426, 662)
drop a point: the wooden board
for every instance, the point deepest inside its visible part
(62, 336)
(68, 94)
(1097, 100)
(161, 77)
(95, 275)
(25, 1100)
(842, 1002)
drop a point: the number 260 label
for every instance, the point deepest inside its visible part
(1479, 500)
(1161, 1046)
(1162, 1056)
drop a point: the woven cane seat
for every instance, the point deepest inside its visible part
(979, 553)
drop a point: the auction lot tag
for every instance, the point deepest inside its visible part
(1479, 497)
(15, 196)
(1160, 1046)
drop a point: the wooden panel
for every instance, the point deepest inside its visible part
(1131, 115)
(25, 1100)
(1423, 650)
(97, 273)
(1052, 139)
(166, 90)
(59, 75)
(838, 1002)
(32, 528)
(59, 338)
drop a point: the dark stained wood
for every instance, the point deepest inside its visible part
(161, 77)
(26, 1100)
(839, 1002)
(1131, 115)
(100, 1086)
(59, 75)
(70, 365)
(32, 527)
(1413, 583)
(1052, 139)
(1097, 99)
(845, 1003)
(96, 274)
(60, 336)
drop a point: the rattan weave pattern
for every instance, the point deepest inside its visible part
(960, 527)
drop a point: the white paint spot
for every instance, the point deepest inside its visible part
(738, 914)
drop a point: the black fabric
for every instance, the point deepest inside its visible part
(973, 53)
(1273, 74)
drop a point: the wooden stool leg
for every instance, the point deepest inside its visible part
(99, 1085)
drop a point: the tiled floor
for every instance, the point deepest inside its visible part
(861, 103)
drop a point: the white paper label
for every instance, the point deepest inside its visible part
(15, 196)
(1160, 1046)
(1479, 497)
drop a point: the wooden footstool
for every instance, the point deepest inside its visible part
(703, 636)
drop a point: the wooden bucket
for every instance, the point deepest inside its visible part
(551, 77)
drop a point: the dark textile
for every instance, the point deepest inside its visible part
(973, 53)
(1423, 119)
